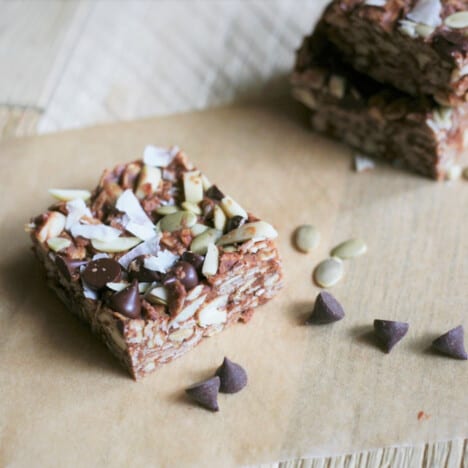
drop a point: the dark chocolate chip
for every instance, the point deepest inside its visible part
(452, 343)
(234, 222)
(389, 332)
(100, 272)
(194, 259)
(205, 393)
(448, 43)
(69, 267)
(127, 301)
(214, 193)
(207, 206)
(326, 310)
(185, 272)
(233, 377)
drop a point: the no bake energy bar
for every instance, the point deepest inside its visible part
(156, 258)
(418, 46)
(374, 118)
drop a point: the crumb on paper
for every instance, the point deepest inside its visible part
(422, 416)
(363, 163)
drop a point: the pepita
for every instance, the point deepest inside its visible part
(200, 243)
(167, 209)
(458, 20)
(349, 249)
(328, 272)
(307, 237)
(178, 220)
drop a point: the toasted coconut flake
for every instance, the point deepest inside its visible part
(136, 221)
(99, 232)
(363, 163)
(161, 262)
(77, 209)
(426, 12)
(149, 247)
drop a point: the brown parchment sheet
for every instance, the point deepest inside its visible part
(312, 390)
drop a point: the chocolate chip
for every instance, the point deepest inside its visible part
(127, 301)
(326, 310)
(389, 332)
(187, 274)
(68, 266)
(194, 259)
(447, 43)
(207, 206)
(452, 343)
(234, 223)
(214, 193)
(233, 377)
(137, 270)
(100, 272)
(205, 393)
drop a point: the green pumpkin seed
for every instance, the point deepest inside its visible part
(307, 237)
(200, 243)
(176, 221)
(349, 249)
(328, 272)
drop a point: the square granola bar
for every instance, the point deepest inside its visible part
(156, 258)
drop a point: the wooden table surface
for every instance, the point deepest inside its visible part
(68, 64)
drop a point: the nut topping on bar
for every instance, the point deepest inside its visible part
(156, 258)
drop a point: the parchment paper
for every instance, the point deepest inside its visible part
(312, 390)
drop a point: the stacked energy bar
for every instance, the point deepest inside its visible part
(390, 78)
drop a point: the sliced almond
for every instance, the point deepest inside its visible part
(70, 194)
(337, 86)
(158, 295)
(232, 208)
(53, 226)
(167, 209)
(213, 313)
(176, 221)
(58, 243)
(205, 182)
(200, 243)
(249, 231)
(121, 244)
(306, 97)
(189, 206)
(190, 310)
(453, 172)
(211, 263)
(180, 335)
(194, 293)
(193, 187)
(120, 286)
(148, 182)
(198, 229)
(219, 218)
